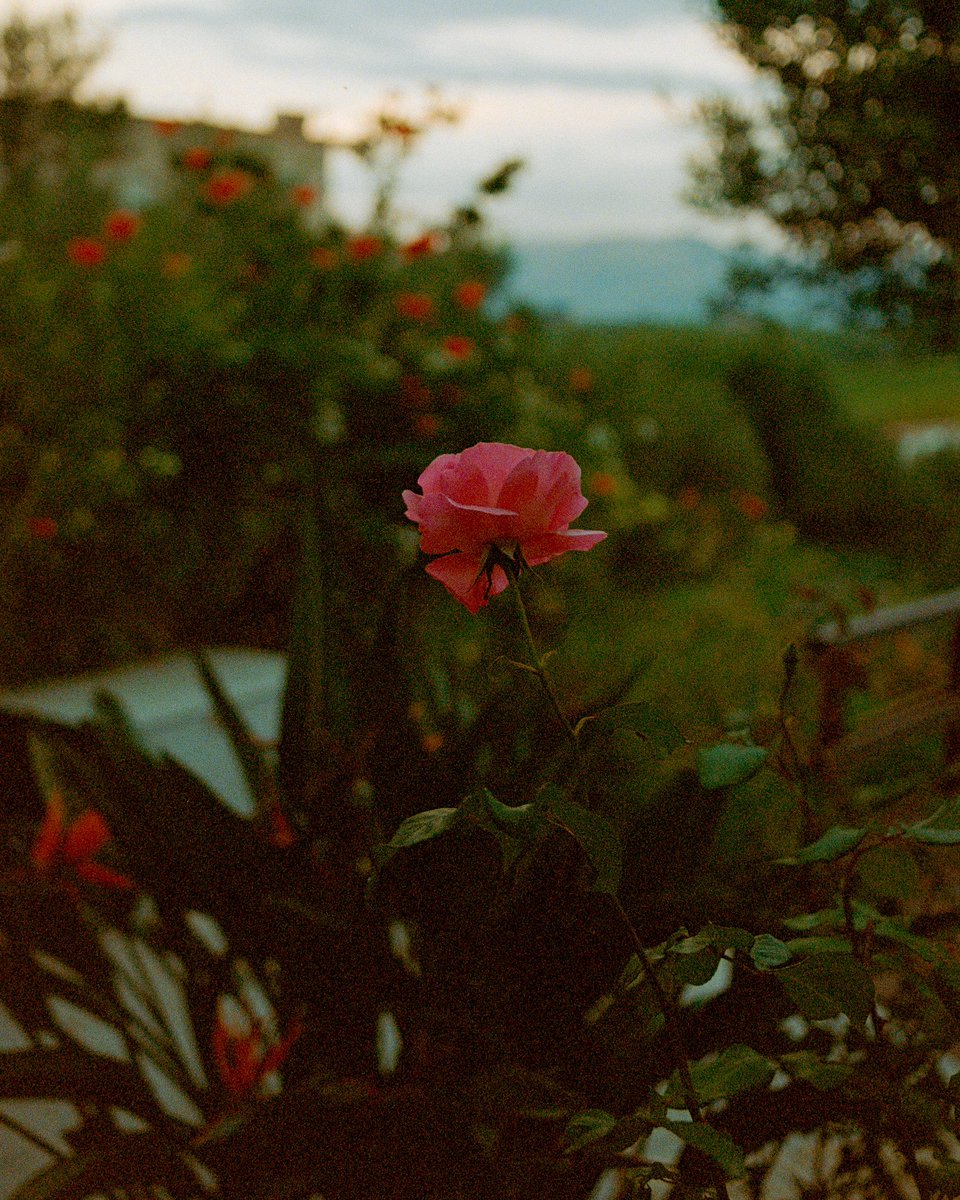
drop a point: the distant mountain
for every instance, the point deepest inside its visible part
(632, 280)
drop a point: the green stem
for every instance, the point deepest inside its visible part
(536, 665)
(674, 1033)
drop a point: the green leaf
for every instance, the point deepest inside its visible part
(724, 936)
(890, 871)
(588, 1127)
(941, 828)
(729, 764)
(805, 946)
(524, 821)
(424, 826)
(644, 720)
(835, 843)
(829, 917)
(735, 1069)
(596, 836)
(828, 985)
(712, 1143)
(768, 952)
(806, 1066)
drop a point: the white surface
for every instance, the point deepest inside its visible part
(165, 701)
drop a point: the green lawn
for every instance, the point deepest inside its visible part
(878, 391)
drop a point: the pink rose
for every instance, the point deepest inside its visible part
(496, 496)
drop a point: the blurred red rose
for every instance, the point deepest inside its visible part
(86, 251)
(754, 508)
(414, 306)
(323, 257)
(122, 225)
(225, 187)
(459, 347)
(364, 246)
(414, 392)
(176, 264)
(427, 425)
(43, 528)
(688, 498)
(470, 294)
(166, 128)
(581, 379)
(303, 195)
(421, 246)
(602, 483)
(197, 158)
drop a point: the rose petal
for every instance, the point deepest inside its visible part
(447, 525)
(550, 545)
(492, 462)
(463, 576)
(431, 475)
(545, 490)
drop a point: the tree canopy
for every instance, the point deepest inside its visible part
(856, 152)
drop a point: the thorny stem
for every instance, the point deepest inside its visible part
(537, 664)
(675, 1035)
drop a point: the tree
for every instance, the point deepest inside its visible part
(44, 127)
(856, 155)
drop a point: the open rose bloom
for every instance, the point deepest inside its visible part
(493, 495)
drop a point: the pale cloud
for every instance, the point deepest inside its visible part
(683, 47)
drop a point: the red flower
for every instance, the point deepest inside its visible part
(688, 498)
(176, 264)
(43, 528)
(303, 195)
(459, 347)
(602, 483)
(490, 497)
(166, 128)
(197, 158)
(398, 128)
(323, 257)
(279, 830)
(227, 186)
(244, 1060)
(427, 425)
(122, 225)
(753, 507)
(415, 306)
(581, 379)
(364, 246)
(86, 252)
(470, 294)
(57, 847)
(414, 392)
(421, 246)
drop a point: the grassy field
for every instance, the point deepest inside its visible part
(672, 371)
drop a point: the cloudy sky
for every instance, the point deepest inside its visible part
(596, 97)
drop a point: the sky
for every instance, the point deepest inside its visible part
(597, 97)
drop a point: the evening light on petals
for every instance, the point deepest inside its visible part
(493, 498)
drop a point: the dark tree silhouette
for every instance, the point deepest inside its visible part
(856, 155)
